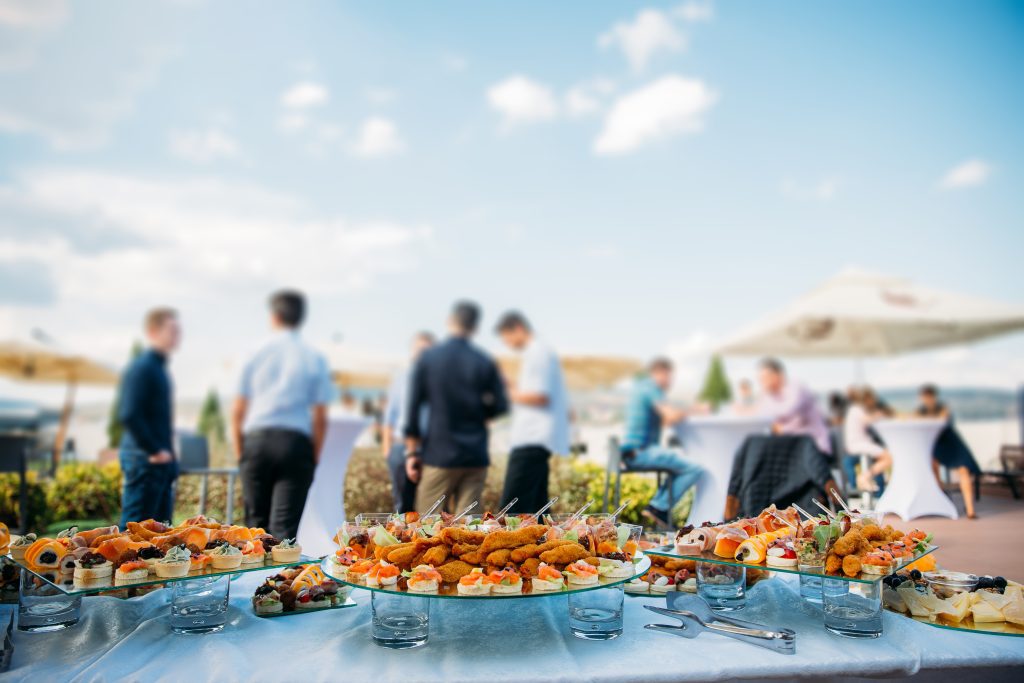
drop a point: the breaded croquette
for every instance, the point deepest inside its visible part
(848, 544)
(436, 556)
(525, 552)
(564, 554)
(476, 557)
(502, 538)
(872, 532)
(851, 565)
(452, 535)
(463, 548)
(548, 545)
(592, 561)
(529, 567)
(452, 571)
(674, 565)
(401, 554)
(833, 563)
(499, 558)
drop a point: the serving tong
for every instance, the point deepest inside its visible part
(696, 617)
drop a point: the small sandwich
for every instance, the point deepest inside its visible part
(637, 586)
(20, 544)
(878, 562)
(267, 602)
(199, 561)
(330, 589)
(781, 554)
(92, 566)
(425, 579)
(684, 582)
(357, 572)
(506, 582)
(286, 551)
(150, 555)
(342, 559)
(615, 566)
(175, 563)
(475, 583)
(225, 557)
(661, 583)
(313, 597)
(548, 579)
(136, 570)
(253, 552)
(581, 573)
(382, 574)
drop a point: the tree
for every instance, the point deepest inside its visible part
(211, 421)
(114, 427)
(716, 389)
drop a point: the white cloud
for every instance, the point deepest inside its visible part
(669, 106)
(454, 62)
(33, 13)
(588, 97)
(694, 11)
(202, 146)
(381, 95)
(823, 190)
(304, 95)
(601, 252)
(970, 173)
(292, 122)
(650, 32)
(522, 100)
(378, 137)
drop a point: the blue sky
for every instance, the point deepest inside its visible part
(637, 177)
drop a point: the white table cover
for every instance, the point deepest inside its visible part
(473, 641)
(912, 491)
(325, 507)
(712, 441)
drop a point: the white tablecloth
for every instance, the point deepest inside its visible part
(325, 508)
(477, 641)
(712, 441)
(912, 490)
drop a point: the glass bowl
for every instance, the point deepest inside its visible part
(948, 584)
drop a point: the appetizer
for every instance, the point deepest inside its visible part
(20, 544)
(93, 566)
(286, 551)
(550, 579)
(382, 574)
(478, 583)
(225, 556)
(175, 563)
(135, 570)
(426, 579)
(581, 573)
(506, 582)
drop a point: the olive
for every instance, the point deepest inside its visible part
(999, 582)
(986, 582)
(915, 575)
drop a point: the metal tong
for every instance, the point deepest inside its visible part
(700, 618)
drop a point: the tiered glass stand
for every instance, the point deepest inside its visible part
(851, 605)
(401, 618)
(50, 600)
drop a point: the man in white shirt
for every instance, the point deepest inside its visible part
(540, 416)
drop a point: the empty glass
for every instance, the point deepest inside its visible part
(399, 622)
(852, 609)
(200, 605)
(42, 607)
(723, 586)
(596, 614)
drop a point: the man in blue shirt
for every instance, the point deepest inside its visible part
(279, 420)
(403, 490)
(146, 411)
(648, 411)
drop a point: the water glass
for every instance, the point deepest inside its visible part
(723, 586)
(42, 607)
(852, 609)
(200, 605)
(596, 614)
(399, 622)
(810, 582)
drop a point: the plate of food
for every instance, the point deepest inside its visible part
(301, 589)
(957, 600)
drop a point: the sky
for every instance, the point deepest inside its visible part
(637, 177)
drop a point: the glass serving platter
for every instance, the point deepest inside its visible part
(968, 625)
(66, 583)
(349, 602)
(449, 590)
(668, 551)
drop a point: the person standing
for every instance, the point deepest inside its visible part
(403, 490)
(279, 420)
(950, 451)
(146, 411)
(791, 406)
(540, 416)
(462, 388)
(647, 413)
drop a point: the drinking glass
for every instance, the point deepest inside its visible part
(42, 607)
(399, 622)
(374, 518)
(596, 614)
(852, 609)
(723, 586)
(200, 605)
(811, 563)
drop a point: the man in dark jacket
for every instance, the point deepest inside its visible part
(147, 412)
(462, 388)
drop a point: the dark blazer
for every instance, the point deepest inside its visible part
(463, 389)
(146, 404)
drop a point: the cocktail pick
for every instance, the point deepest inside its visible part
(805, 513)
(839, 499)
(506, 508)
(464, 512)
(576, 515)
(824, 509)
(621, 508)
(544, 509)
(434, 507)
(785, 521)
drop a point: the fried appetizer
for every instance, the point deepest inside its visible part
(436, 556)
(525, 552)
(452, 571)
(475, 557)
(548, 545)
(833, 563)
(849, 543)
(459, 549)
(564, 554)
(592, 560)
(502, 538)
(872, 532)
(499, 558)
(452, 535)
(851, 565)
(674, 565)
(401, 554)
(529, 567)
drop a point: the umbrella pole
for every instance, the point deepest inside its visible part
(65, 419)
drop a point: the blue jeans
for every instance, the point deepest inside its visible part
(682, 474)
(850, 463)
(148, 491)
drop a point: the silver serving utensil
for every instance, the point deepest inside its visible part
(506, 508)
(433, 508)
(782, 641)
(544, 509)
(689, 602)
(464, 512)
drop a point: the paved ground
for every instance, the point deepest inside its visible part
(992, 544)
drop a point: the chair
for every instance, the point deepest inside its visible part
(1012, 460)
(615, 467)
(14, 455)
(194, 460)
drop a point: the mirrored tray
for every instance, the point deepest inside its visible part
(67, 584)
(668, 551)
(450, 591)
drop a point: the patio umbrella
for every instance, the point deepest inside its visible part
(39, 359)
(857, 314)
(584, 373)
(353, 367)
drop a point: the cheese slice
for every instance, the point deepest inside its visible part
(915, 601)
(956, 608)
(1014, 611)
(995, 599)
(894, 601)
(984, 612)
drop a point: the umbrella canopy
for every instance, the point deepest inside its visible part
(859, 314)
(354, 367)
(584, 373)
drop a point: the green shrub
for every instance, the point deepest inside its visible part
(38, 513)
(186, 501)
(85, 491)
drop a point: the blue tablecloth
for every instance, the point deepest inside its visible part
(474, 641)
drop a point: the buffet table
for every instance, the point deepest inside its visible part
(131, 640)
(912, 491)
(711, 441)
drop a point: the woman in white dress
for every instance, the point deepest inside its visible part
(862, 410)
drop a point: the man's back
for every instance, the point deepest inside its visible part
(643, 424)
(463, 390)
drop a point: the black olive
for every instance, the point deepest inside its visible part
(999, 582)
(915, 575)
(986, 582)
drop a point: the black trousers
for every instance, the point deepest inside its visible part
(526, 479)
(403, 491)
(276, 469)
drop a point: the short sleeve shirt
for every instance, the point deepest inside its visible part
(546, 426)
